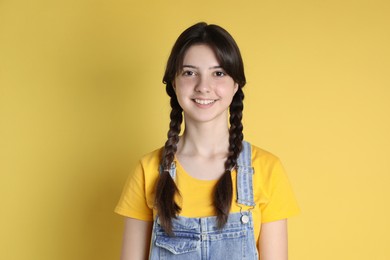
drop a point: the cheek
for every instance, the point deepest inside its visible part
(184, 85)
(185, 80)
(227, 89)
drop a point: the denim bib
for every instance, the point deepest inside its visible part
(200, 238)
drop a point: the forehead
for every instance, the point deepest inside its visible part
(200, 54)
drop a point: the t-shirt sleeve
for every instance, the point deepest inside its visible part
(281, 202)
(133, 202)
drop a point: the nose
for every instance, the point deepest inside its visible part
(203, 85)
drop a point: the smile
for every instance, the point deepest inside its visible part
(204, 101)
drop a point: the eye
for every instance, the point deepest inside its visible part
(219, 73)
(188, 73)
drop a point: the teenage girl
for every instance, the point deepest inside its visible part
(206, 194)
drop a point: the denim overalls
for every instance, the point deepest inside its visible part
(199, 238)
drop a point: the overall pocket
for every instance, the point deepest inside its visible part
(180, 243)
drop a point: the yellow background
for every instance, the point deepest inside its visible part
(81, 100)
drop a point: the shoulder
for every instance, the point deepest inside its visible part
(152, 158)
(147, 167)
(263, 157)
(266, 165)
(146, 172)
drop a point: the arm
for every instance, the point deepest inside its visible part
(136, 239)
(273, 241)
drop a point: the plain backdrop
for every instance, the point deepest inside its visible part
(81, 100)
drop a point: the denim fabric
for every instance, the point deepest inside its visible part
(200, 238)
(245, 175)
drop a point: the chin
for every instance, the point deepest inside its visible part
(206, 118)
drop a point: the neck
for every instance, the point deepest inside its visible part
(205, 139)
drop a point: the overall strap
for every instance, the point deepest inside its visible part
(245, 176)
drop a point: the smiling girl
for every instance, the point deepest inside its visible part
(206, 194)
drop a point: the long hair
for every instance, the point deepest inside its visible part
(229, 58)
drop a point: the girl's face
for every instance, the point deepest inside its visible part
(202, 87)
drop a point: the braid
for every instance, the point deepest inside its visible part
(166, 188)
(223, 194)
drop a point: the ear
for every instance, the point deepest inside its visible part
(235, 87)
(173, 85)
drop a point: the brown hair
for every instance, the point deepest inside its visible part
(229, 57)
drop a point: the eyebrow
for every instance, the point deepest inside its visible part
(194, 67)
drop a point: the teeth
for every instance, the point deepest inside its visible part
(204, 102)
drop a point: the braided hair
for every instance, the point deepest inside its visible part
(229, 57)
(223, 193)
(166, 188)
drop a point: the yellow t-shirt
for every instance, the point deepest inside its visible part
(272, 191)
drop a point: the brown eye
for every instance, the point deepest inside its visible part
(220, 73)
(188, 73)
